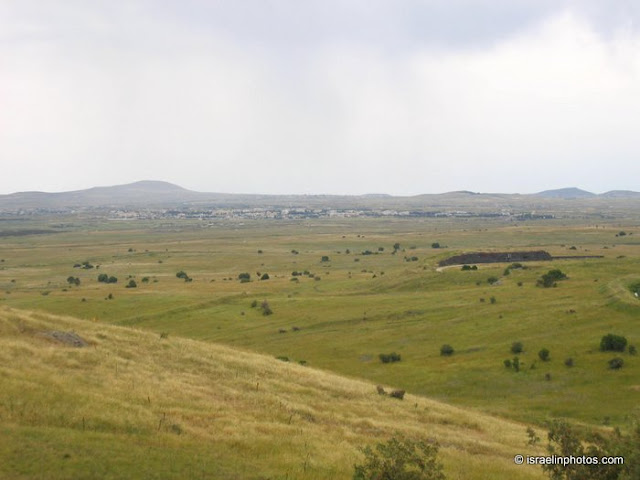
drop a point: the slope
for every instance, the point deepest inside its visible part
(133, 404)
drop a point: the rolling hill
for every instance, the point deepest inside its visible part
(134, 404)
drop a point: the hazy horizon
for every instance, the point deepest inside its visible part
(311, 194)
(328, 97)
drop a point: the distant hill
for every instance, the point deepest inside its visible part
(158, 194)
(145, 192)
(620, 194)
(566, 193)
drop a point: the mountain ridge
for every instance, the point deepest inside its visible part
(155, 193)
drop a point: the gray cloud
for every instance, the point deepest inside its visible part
(313, 97)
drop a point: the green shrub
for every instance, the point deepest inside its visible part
(265, 276)
(492, 300)
(633, 350)
(544, 354)
(568, 362)
(181, 274)
(446, 350)
(132, 284)
(254, 304)
(492, 280)
(266, 309)
(616, 363)
(400, 459)
(564, 441)
(324, 258)
(389, 357)
(550, 278)
(435, 245)
(517, 347)
(613, 343)
(516, 364)
(103, 278)
(507, 363)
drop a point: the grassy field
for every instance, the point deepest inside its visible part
(354, 306)
(133, 404)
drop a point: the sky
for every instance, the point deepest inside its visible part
(320, 96)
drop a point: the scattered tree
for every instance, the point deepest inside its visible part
(544, 354)
(400, 459)
(616, 363)
(389, 357)
(446, 350)
(613, 343)
(550, 278)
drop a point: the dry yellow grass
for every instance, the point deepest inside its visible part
(133, 404)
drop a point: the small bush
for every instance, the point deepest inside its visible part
(73, 281)
(465, 268)
(550, 278)
(492, 300)
(492, 280)
(399, 394)
(633, 350)
(265, 276)
(380, 390)
(181, 274)
(266, 309)
(132, 284)
(517, 347)
(507, 363)
(254, 304)
(435, 245)
(446, 350)
(616, 363)
(282, 358)
(324, 258)
(516, 364)
(544, 354)
(389, 357)
(568, 362)
(613, 343)
(400, 459)
(244, 277)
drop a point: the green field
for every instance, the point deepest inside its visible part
(354, 306)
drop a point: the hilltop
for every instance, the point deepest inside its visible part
(134, 404)
(165, 195)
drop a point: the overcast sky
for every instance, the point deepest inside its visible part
(328, 96)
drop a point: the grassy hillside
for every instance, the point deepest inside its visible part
(364, 305)
(135, 405)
